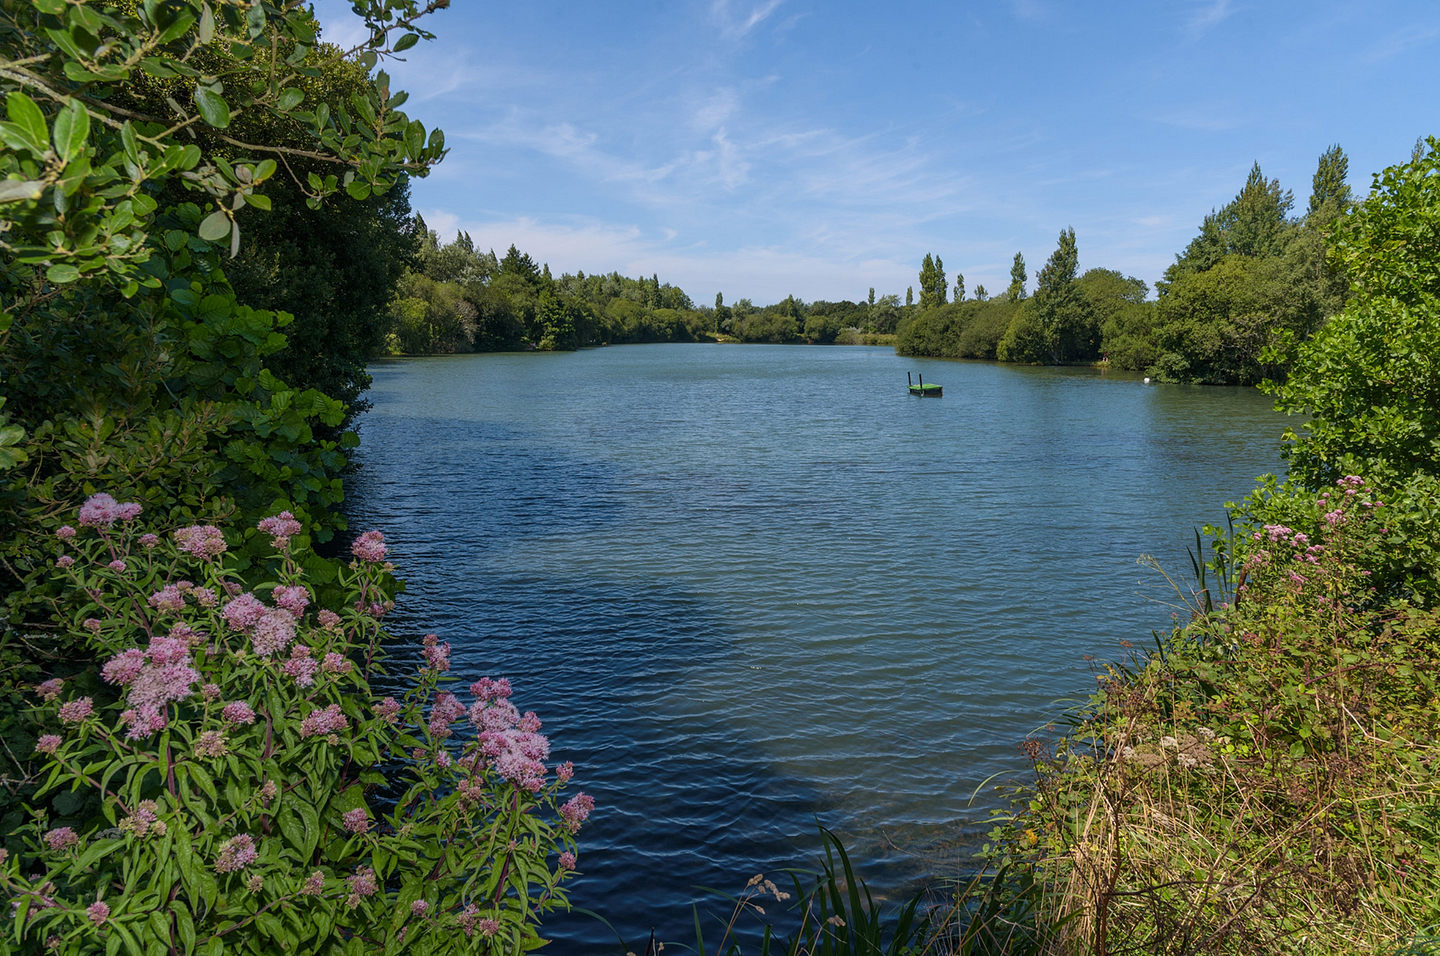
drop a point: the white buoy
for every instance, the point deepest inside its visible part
(1147, 381)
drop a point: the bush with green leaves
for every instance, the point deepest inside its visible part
(239, 785)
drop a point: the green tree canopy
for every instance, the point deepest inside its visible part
(1018, 277)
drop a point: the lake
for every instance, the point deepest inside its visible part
(749, 588)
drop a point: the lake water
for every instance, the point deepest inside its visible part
(749, 588)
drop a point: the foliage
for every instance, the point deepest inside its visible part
(1057, 326)
(1266, 781)
(1369, 380)
(239, 803)
(932, 282)
(80, 169)
(1018, 277)
(969, 329)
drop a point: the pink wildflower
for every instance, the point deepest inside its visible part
(487, 927)
(98, 912)
(205, 541)
(98, 511)
(243, 612)
(446, 711)
(238, 712)
(314, 884)
(148, 541)
(169, 650)
(335, 663)
(488, 690)
(437, 655)
(211, 743)
(92, 625)
(211, 692)
(576, 811)
(442, 759)
(565, 772)
(50, 689)
(370, 546)
(388, 709)
(328, 619)
(361, 884)
(529, 723)
(419, 908)
(328, 720)
(205, 597)
(356, 820)
(236, 853)
(301, 666)
(64, 561)
(65, 533)
(128, 511)
(292, 599)
(48, 744)
(77, 710)
(273, 632)
(567, 861)
(468, 918)
(117, 566)
(281, 528)
(61, 838)
(169, 599)
(143, 721)
(157, 686)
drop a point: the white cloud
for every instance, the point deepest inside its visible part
(1210, 15)
(733, 24)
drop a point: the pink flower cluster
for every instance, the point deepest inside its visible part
(169, 598)
(388, 709)
(159, 675)
(510, 741)
(205, 541)
(102, 511)
(446, 710)
(360, 885)
(370, 547)
(50, 689)
(48, 744)
(61, 838)
(281, 528)
(98, 911)
(271, 629)
(238, 712)
(301, 666)
(292, 599)
(576, 810)
(356, 820)
(236, 853)
(471, 922)
(74, 711)
(567, 860)
(437, 655)
(323, 721)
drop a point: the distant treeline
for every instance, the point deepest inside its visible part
(455, 298)
(1252, 285)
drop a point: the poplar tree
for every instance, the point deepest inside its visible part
(959, 287)
(932, 282)
(1016, 292)
(909, 296)
(1328, 187)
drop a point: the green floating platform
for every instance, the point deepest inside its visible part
(925, 390)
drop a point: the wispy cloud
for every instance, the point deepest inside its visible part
(736, 23)
(1209, 15)
(1398, 43)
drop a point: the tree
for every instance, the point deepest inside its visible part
(1329, 190)
(1016, 292)
(981, 295)
(909, 296)
(959, 287)
(932, 282)
(1058, 325)
(1254, 223)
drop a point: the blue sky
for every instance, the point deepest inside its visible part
(769, 147)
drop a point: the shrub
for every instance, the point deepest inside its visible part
(247, 790)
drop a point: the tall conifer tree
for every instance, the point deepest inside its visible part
(1329, 186)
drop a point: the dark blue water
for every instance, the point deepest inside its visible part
(749, 587)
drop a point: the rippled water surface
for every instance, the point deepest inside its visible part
(749, 587)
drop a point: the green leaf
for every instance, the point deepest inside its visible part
(289, 99)
(28, 117)
(62, 273)
(213, 108)
(215, 226)
(406, 42)
(14, 190)
(72, 129)
(259, 202)
(207, 24)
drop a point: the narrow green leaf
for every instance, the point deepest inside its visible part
(14, 190)
(406, 42)
(207, 24)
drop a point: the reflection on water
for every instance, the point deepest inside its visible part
(750, 587)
